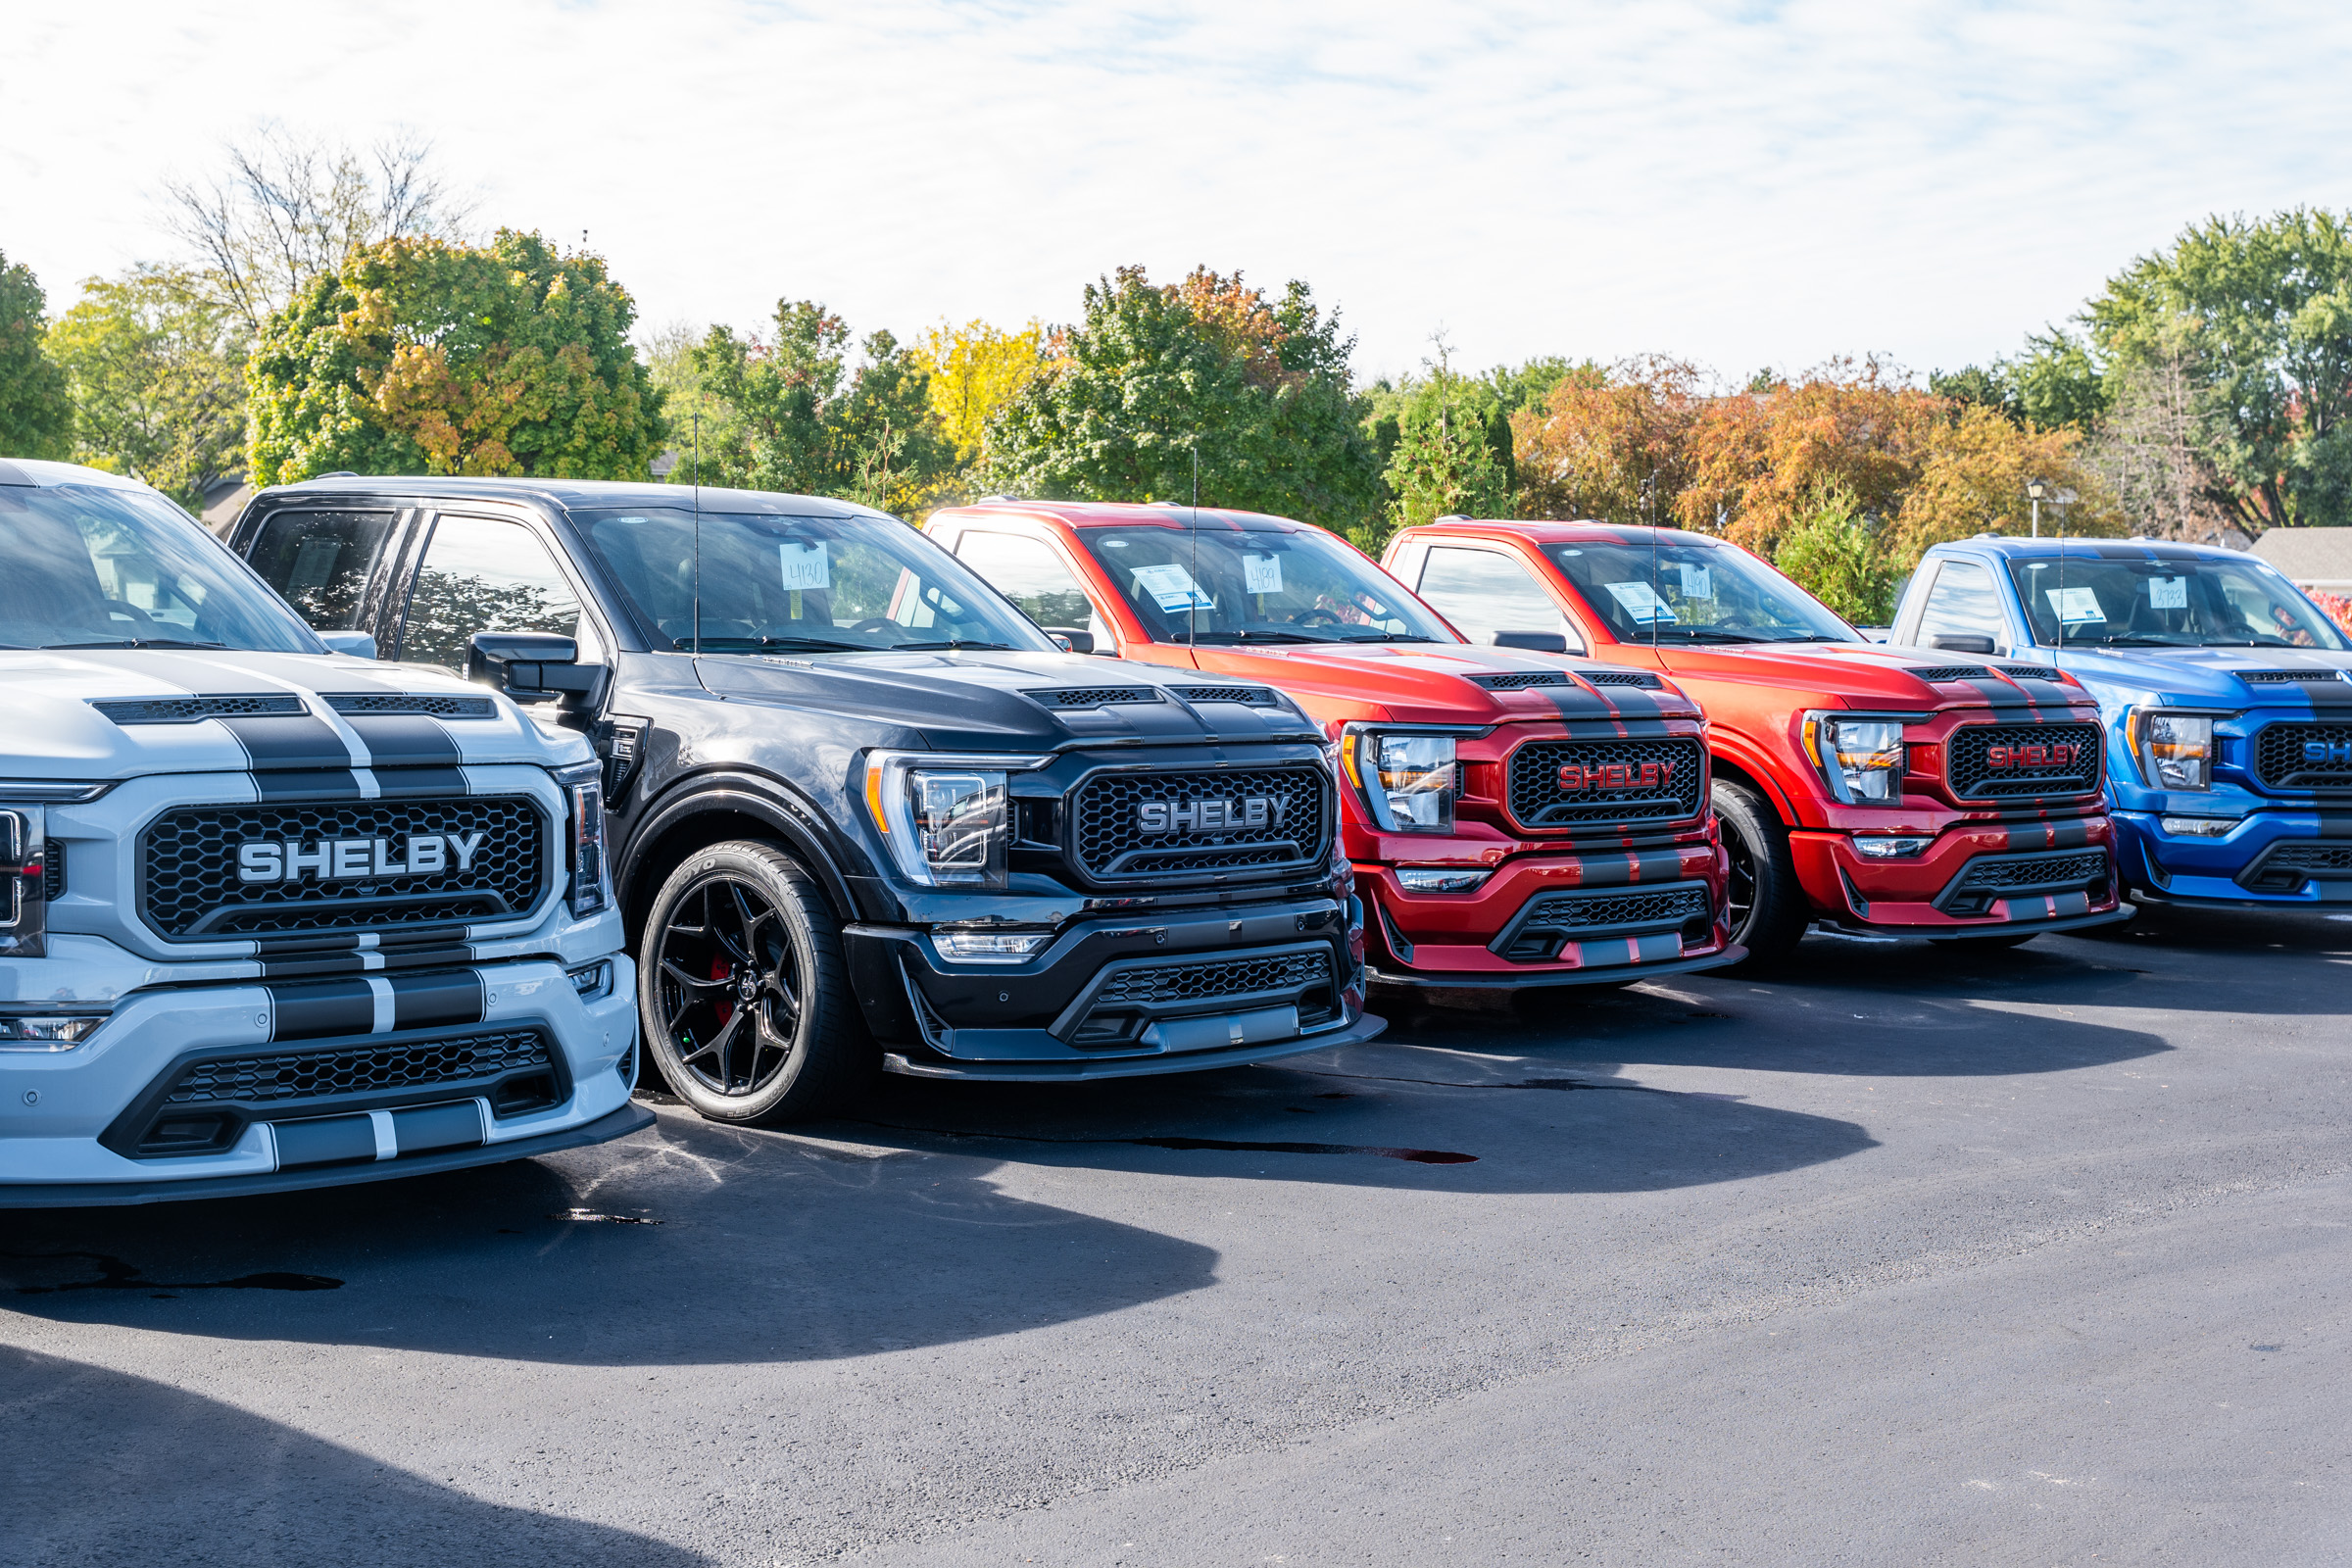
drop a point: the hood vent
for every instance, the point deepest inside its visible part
(2031, 673)
(1623, 677)
(2287, 677)
(196, 709)
(404, 705)
(1094, 696)
(1945, 673)
(1518, 680)
(1251, 696)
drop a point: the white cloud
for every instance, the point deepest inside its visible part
(1745, 184)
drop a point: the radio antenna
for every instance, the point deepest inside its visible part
(1192, 594)
(1657, 584)
(697, 533)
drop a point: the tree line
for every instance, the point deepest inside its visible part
(330, 309)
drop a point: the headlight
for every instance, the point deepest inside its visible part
(1440, 878)
(947, 822)
(1890, 848)
(988, 947)
(1862, 758)
(52, 1032)
(1407, 780)
(2175, 750)
(584, 791)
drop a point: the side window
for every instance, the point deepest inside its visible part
(484, 575)
(1484, 592)
(320, 562)
(1962, 604)
(1028, 573)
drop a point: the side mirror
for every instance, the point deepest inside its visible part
(357, 644)
(535, 666)
(1072, 640)
(1957, 643)
(1537, 642)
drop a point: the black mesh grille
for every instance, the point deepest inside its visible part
(1575, 911)
(2013, 761)
(2030, 672)
(2315, 857)
(191, 709)
(1539, 800)
(190, 859)
(1094, 696)
(2285, 759)
(1622, 677)
(2289, 678)
(1952, 672)
(1227, 977)
(1107, 840)
(1518, 680)
(1253, 695)
(402, 703)
(53, 870)
(2034, 872)
(282, 1075)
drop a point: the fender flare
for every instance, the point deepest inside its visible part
(1759, 765)
(804, 830)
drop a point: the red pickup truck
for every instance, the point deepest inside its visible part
(1513, 822)
(1899, 791)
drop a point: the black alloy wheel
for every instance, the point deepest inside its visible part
(742, 991)
(1767, 908)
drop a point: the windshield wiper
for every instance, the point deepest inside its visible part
(762, 645)
(2142, 642)
(1258, 637)
(1715, 635)
(1390, 637)
(130, 642)
(951, 643)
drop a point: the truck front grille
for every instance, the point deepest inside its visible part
(2288, 867)
(190, 887)
(1596, 783)
(2021, 762)
(2304, 756)
(1988, 878)
(1218, 978)
(1218, 819)
(268, 1078)
(1552, 918)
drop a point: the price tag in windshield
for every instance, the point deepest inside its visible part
(1261, 574)
(2075, 606)
(2167, 593)
(1642, 602)
(805, 565)
(1171, 587)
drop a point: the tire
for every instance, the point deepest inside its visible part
(1769, 912)
(775, 1039)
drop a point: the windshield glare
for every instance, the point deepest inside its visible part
(1694, 593)
(2179, 603)
(92, 567)
(1238, 585)
(777, 585)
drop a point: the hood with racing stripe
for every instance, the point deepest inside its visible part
(2292, 681)
(1449, 683)
(287, 719)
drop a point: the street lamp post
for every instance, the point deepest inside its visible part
(2036, 492)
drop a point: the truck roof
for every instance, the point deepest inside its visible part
(569, 493)
(2006, 545)
(1130, 514)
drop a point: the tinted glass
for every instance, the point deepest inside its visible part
(320, 562)
(96, 566)
(2200, 602)
(483, 574)
(1246, 585)
(1962, 604)
(1683, 592)
(1484, 592)
(1028, 573)
(799, 584)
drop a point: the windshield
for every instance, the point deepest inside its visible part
(92, 567)
(2197, 603)
(777, 584)
(1683, 592)
(1251, 586)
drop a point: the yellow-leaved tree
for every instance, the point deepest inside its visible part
(975, 370)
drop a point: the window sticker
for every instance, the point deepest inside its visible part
(2075, 606)
(1642, 602)
(313, 561)
(2167, 593)
(804, 565)
(1261, 574)
(1698, 582)
(1171, 587)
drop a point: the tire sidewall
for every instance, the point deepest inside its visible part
(1776, 920)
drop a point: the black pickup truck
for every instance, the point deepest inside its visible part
(860, 809)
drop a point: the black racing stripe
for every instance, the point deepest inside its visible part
(1574, 703)
(418, 999)
(289, 744)
(297, 968)
(415, 783)
(404, 959)
(405, 740)
(341, 785)
(313, 1010)
(2324, 694)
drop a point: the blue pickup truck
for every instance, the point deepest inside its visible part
(2227, 695)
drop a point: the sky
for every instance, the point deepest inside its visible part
(1746, 186)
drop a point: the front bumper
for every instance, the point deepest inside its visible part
(1121, 993)
(1974, 879)
(273, 1085)
(2278, 859)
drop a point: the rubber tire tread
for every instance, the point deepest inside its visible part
(1781, 914)
(836, 1060)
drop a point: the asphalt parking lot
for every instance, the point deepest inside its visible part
(1902, 1256)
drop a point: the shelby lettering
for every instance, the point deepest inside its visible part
(1618, 776)
(345, 859)
(1209, 816)
(2064, 754)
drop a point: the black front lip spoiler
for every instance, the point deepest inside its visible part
(1991, 928)
(97, 1194)
(1088, 1070)
(1616, 974)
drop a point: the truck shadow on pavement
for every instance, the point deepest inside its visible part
(686, 1243)
(128, 1471)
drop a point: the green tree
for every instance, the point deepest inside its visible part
(36, 410)
(1450, 451)
(1152, 374)
(793, 414)
(421, 356)
(1832, 551)
(158, 379)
